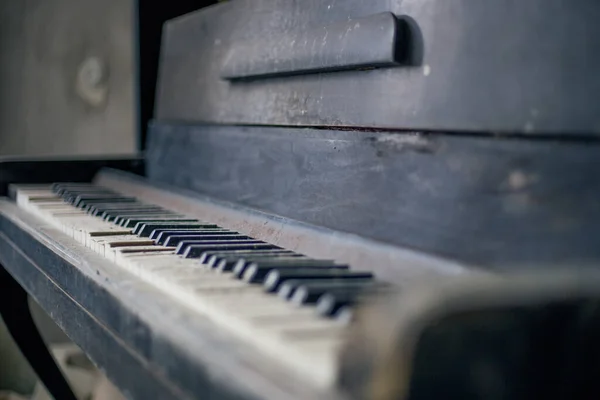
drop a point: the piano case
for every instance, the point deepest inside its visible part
(449, 146)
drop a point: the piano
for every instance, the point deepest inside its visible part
(336, 200)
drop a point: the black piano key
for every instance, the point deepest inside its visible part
(228, 263)
(96, 207)
(94, 195)
(224, 262)
(114, 216)
(330, 303)
(197, 250)
(62, 186)
(200, 239)
(287, 288)
(310, 293)
(275, 278)
(72, 195)
(79, 198)
(104, 213)
(122, 218)
(98, 211)
(240, 266)
(210, 258)
(344, 315)
(256, 271)
(145, 229)
(161, 235)
(81, 203)
(128, 205)
(85, 205)
(76, 185)
(132, 221)
(69, 191)
(185, 244)
(101, 210)
(66, 191)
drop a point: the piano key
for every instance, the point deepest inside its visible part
(152, 219)
(161, 235)
(197, 250)
(65, 193)
(137, 262)
(133, 220)
(225, 261)
(211, 260)
(329, 303)
(287, 289)
(117, 217)
(99, 244)
(244, 264)
(256, 272)
(102, 210)
(117, 252)
(275, 278)
(91, 194)
(136, 206)
(200, 239)
(58, 186)
(111, 202)
(310, 293)
(115, 205)
(344, 315)
(143, 249)
(111, 205)
(101, 213)
(184, 244)
(82, 200)
(145, 229)
(122, 208)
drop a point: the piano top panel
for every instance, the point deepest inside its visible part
(453, 65)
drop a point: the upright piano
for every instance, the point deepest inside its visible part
(337, 199)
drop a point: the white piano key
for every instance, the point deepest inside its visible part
(116, 253)
(100, 243)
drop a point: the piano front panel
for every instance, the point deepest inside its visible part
(500, 204)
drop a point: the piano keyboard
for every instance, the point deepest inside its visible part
(289, 306)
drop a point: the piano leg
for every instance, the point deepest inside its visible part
(16, 314)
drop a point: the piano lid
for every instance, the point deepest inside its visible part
(498, 66)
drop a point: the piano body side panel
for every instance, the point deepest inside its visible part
(148, 345)
(497, 66)
(501, 203)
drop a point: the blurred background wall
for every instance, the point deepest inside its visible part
(66, 70)
(66, 88)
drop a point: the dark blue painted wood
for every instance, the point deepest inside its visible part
(498, 202)
(495, 66)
